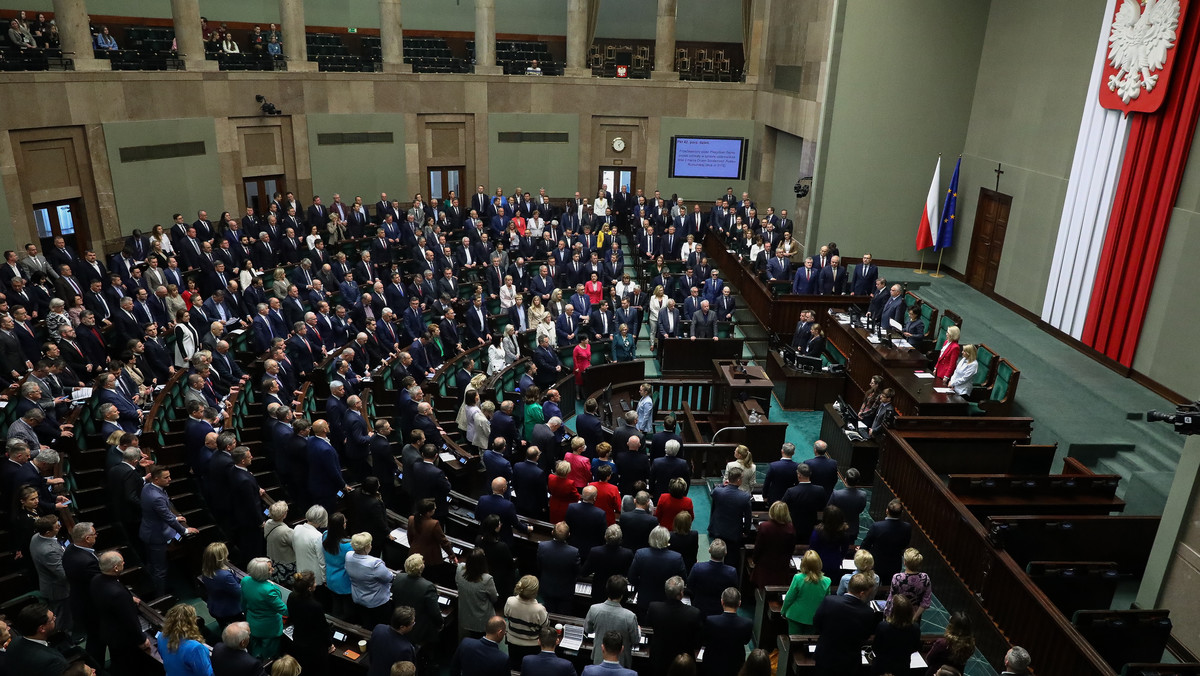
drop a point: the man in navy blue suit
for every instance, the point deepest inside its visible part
(864, 277)
(843, 622)
(805, 280)
(893, 307)
(495, 465)
(612, 646)
(529, 485)
(567, 326)
(637, 523)
(160, 525)
(709, 579)
(558, 568)
(497, 504)
(730, 516)
(726, 636)
(677, 627)
(832, 280)
(546, 662)
(781, 475)
(586, 521)
(824, 468)
(503, 426)
(667, 468)
(482, 656)
(804, 500)
(324, 470)
(777, 267)
(429, 481)
(887, 540)
(587, 425)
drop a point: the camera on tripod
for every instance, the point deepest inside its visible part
(1186, 418)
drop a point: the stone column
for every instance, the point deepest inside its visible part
(485, 38)
(391, 37)
(75, 36)
(577, 47)
(754, 58)
(188, 41)
(664, 42)
(295, 46)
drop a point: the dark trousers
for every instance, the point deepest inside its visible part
(156, 566)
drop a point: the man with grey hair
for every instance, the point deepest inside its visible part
(637, 523)
(81, 564)
(23, 428)
(117, 616)
(668, 467)
(677, 627)
(1016, 662)
(306, 542)
(558, 568)
(231, 656)
(626, 428)
(730, 515)
(586, 521)
(709, 578)
(652, 567)
(546, 436)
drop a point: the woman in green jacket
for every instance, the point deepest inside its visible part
(809, 588)
(533, 411)
(264, 609)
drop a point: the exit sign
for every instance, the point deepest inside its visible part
(351, 30)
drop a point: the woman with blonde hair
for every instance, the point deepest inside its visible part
(741, 458)
(370, 581)
(222, 590)
(864, 563)
(809, 587)
(563, 492)
(684, 540)
(181, 645)
(525, 618)
(774, 546)
(954, 648)
(657, 302)
(555, 306)
(285, 666)
(547, 329)
(948, 356)
(963, 379)
(279, 542)
(280, 283)
(912, 584)
(336, 229)
(537, 311)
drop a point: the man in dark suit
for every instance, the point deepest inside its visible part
(604, 561)
(887, 540)
(529, 485)
(844, 623)
(389, 643)
(324, 469)
(496, 503)
(804, 500)
(726, 636)
(160, 526)
(803, 334)
(805, 280)
(230, 656)
(504, 427)
(637, 523)
(893, 307)
(587, 524)
(824, 468)
(548, 365)
(546, 662)
(677, 627)
(429, 481)
(730, 517)
(781, 475)
(81, 563)
(778, 267)
(633, 465)
(558, 568)
(708, 579)
(29, 652)
(667, 468)
(879, 297)
(832, 280)
(852, 500)
(245, 511)
(117, 615)
(864, 277)
(482, 656)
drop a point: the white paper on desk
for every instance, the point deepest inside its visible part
(923, 374)
(796, 562)
(915, 661)
(902, 344)
(812, 647)
(289, 630)
(572, 638)
(848, 564)
(944, 390)
(447, 456)
(400, 535)
(873, 339)
(583, 588)
(443, 600)
(865, 661)
(81, 393)
(237, 332)
(757, 497)
(700, 655)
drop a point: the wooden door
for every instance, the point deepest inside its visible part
(987, 239)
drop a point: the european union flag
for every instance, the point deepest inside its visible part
(945, 235)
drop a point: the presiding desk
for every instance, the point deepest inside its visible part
(802, 391)
(732, 384)
(915, 395)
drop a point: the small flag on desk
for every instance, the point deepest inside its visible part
(927, 231)
(945, 231)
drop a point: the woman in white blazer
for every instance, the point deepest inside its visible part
(187, 339)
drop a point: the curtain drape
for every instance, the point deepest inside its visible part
(592, 17)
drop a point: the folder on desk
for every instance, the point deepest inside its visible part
(572, 637)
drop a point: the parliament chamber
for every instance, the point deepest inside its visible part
(514, 337)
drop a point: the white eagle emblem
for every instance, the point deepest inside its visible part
(1138, 44)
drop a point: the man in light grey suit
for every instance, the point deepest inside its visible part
(36, 262)
(704, 322)
(47, 556)
(612, 616)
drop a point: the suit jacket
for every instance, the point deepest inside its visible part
(704, 325)
(479, 657)
(829, 283)
(429, 481)
(824, 472)
(730, 518)
(781, 475)
(117, 615)
(529, 482)
(324, 470)
(893, 308)
(558, 568)
(227, 661)
(725, 639)
(505, 509)
(47, 556)
(422, 596)
(706, 581)
(677, 629)
(81, 566)
(650, 570)
(607, 669)
(864, 279)
(587, 523)
(26, 657)
(664, 469)
(805, 280)
(804, 500)
(843, 623)
(546, 664)
(887, 540)
(159, 522)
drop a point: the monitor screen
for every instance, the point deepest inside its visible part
(708, 157)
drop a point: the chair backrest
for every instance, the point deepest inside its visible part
(929, 313)
(832, 355)
(948, 319)
(986, 371)
(1006, 380)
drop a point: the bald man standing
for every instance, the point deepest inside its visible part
(496, 503)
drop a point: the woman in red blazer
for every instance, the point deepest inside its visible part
(948, 358)
(562, 491)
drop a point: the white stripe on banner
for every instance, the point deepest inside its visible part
(1095, 171)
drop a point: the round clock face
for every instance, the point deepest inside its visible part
(618, 144)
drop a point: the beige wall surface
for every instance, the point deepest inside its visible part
(365, 169)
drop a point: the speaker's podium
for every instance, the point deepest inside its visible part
(738, 382)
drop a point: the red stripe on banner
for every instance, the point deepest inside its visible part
(1155, 159)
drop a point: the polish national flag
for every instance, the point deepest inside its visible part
(927, 231)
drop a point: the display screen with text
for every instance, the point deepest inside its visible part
(707, 157)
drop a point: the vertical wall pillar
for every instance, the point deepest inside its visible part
(577, 49)
(391, 37)
(188, 41)
(72, 19)
(756, 53)
(485, 38)
(664, 41)
(295, 45)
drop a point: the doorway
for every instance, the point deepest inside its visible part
(64, 218)
(615, 177)
(987, 239)
(259, 190)
(442, 180)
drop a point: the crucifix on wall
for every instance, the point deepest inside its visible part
(998, 171)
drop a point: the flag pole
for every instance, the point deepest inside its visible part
(921, 268)
(938, 273)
